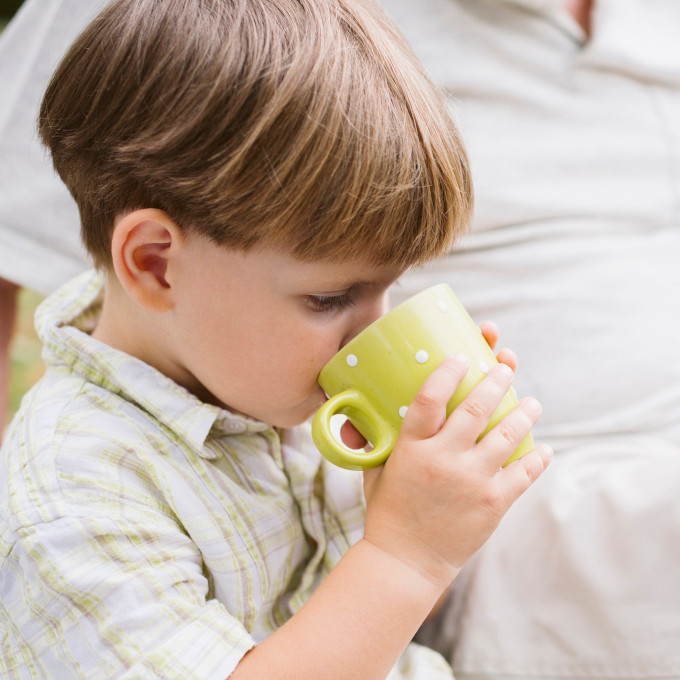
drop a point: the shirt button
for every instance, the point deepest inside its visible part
(235, 427)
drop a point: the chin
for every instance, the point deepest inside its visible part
(301, 414)
(293, 420)
(286, 423)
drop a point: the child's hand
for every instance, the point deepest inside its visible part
(440, 495)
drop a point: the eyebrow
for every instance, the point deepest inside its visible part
(340, 286)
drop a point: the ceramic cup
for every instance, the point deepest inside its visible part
(374, 378)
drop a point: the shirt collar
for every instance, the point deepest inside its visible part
(64, 322)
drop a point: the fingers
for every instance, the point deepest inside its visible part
(517, 477)
(427, 412)
(490, 332)
(426, 416)
(471, 417)
(500, 443)
(507, 357)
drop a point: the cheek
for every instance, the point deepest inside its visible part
(298, 360)
(276, 355)
(298, 363)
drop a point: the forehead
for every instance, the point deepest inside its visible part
(332, 275)
(277, 269)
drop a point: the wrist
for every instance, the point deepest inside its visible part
(434, 572)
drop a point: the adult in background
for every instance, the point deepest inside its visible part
(571, 114)
(39, 246)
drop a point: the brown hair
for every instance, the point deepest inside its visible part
(307, 125)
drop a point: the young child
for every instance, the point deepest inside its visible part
(252, 175)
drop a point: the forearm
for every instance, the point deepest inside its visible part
(428, 510)
(438, 604)
(355, 625)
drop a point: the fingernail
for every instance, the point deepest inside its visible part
(505, 369)
(532, 405)
(460, 358)
(547, 453)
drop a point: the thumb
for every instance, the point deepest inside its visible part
(351, 436)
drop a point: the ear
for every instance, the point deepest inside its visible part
(144, 246)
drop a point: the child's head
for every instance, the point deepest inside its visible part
(255, 173)
(306, 125)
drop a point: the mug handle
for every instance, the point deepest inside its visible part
(366, 419)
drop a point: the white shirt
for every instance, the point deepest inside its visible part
(39, 237)
(575, 253)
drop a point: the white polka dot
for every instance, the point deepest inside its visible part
(422, 356)
(402, 410)
(352, 359)
(483, 367)
(443, 307)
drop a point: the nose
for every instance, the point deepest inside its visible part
(364, 314)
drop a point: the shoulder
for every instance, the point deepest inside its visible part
(77, 448)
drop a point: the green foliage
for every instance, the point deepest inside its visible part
(26, 363)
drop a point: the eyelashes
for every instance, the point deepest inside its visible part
(330, 303)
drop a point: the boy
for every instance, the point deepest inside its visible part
(251, 177)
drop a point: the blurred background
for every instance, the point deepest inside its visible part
(7, 9)
(27, 366)
(26, 363)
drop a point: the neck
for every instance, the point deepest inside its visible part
(118, 325)
(143, 334)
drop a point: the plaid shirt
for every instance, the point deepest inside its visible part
(145, 534)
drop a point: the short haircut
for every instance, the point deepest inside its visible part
(305, 125)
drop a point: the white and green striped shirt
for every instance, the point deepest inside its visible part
(145, 534)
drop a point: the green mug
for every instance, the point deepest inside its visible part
(373, 379)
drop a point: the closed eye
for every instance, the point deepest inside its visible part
(330, 303)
